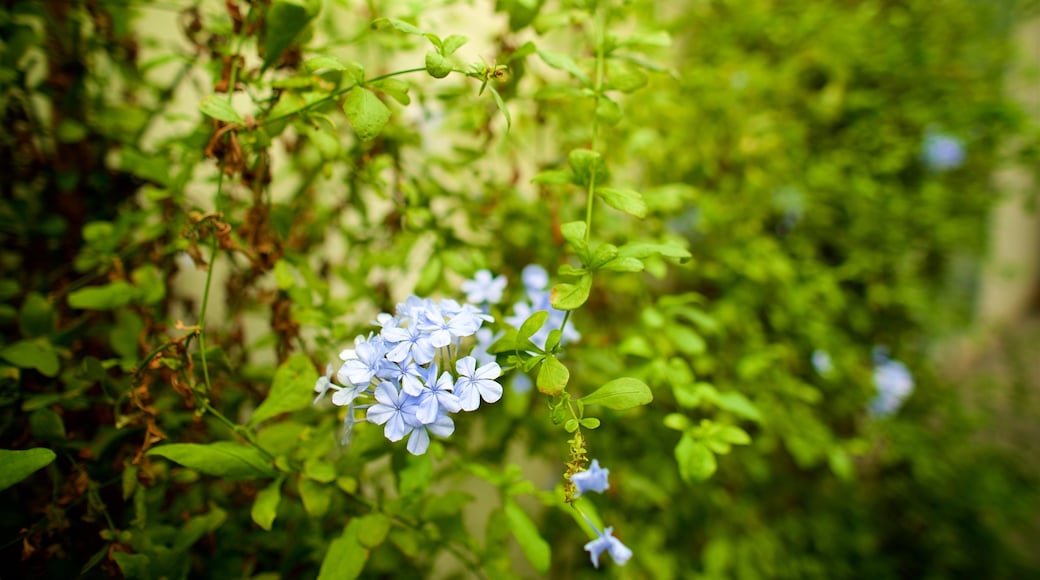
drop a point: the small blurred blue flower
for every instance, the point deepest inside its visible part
(592, 479)
(942, 152)
(821, 361)
(484, 288)
(894, 384)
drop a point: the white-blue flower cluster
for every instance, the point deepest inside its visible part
(894, 384)
(415, 371)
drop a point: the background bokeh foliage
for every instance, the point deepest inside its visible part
(780, 143)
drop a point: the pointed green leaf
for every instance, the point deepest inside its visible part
(107, 297)
(223, 459)
(501, 106)
(324, 62)
(533, 324)
(645, 250)
(453, 43)
(620, 394)
(626, 200)
(220, 109)
(534, 546)
(317, 497)
(574, 233)
(552, 376)
(292, 389)
(366, 113)
(396, 24)
(372, 529)
(19, 465)
(265, 506)
(585, 163)
(571, 296)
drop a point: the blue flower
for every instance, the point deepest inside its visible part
(942, 152)
(391, 409)
(607, 542)
(592, 479)
(408, 342)
(821, 361)
(475, 384)
(484, 288)
(419, 441)
(894, 384)
(436, 396)
(368, 360)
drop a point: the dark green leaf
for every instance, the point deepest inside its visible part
(19, 465)
(285, 20)
(620, 394)
(107, 297)
(32, 354)
(36, 317)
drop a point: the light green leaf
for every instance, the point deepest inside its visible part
(224, 459)
(372, 529)
(585, 163)
(534, 546)
(696, 461)
(571, 296)
(625, 264)
(107, 297)
(453, 43)
(32, 354)
(396, 24)
(437, 65)
(564, 62)
(626, 200)
(645, 250)
(324, 62)
(574, 233)
(620, 394)
(18, 465)
(396, 88)
(533, 324)
(317, 497)
(291, 389)
(366, 113)
(346, 557)
(501, 106)
(265, 506)
(552, 376)
(220, 109)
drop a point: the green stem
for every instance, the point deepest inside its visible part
(599, 18)
(335, 94)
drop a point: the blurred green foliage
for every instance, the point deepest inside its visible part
(175, 277)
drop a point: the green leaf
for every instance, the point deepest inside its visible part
(571, 296)
(107, 297)
(574, 233)
(285, 20)
(739, 405)
(645, 250)
(37, 316)
(553, 177)
(396, 88)
(291, 389)
(224, 459)
(324, 62)
(733, 435)
(346, 557)
(32, 354)
(501, 106)
(220, 109)
(620, 394)
(625, 77)
(396, 24)
(624, 264)
(533, 324)
(133, 566)
(626, 200)
(604, 253)
(372, 529)
(19, 465)
(317, 497)
(438, 65)
(46, 425)
(585, 163)
(534, 546)
(590, 422)
(552, 376)
(564, 62)
(366, 113)
(453, 43)
(696, 461)
(265, 506)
